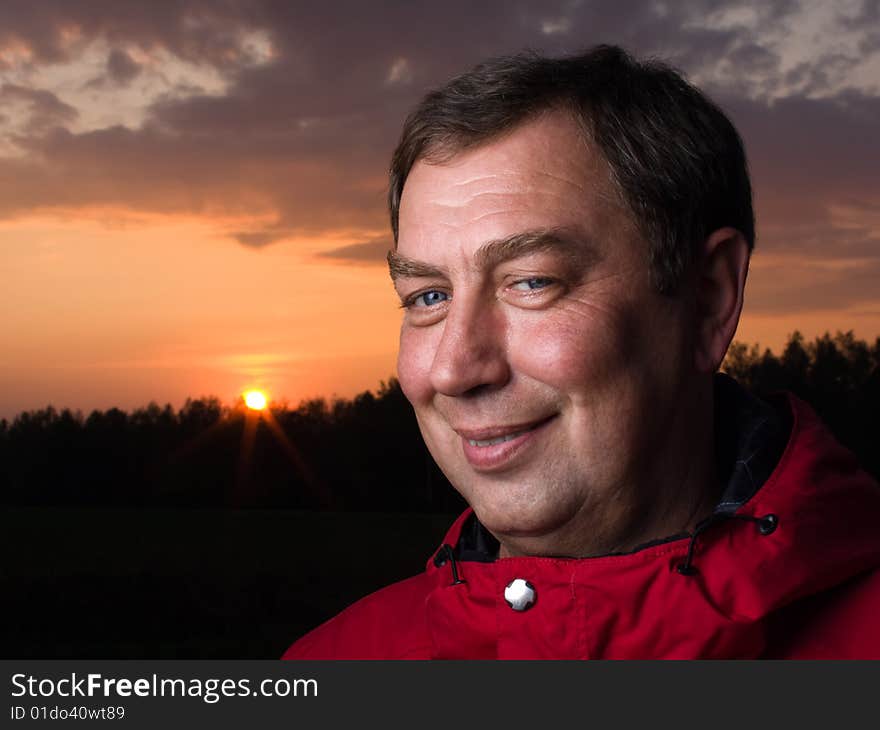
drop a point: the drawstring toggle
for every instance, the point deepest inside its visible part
(446, 555)
(766, 525)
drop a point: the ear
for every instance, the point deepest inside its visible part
(721, 278)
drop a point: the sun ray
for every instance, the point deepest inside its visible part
(245, 455)
(318, 490)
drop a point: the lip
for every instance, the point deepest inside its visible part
(497, 457)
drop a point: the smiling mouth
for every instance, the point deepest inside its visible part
(499, 448)
(499, 434)
(500, 439)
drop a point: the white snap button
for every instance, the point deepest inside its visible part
(520, 594)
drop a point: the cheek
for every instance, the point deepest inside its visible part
(414, 360)
(573, 349)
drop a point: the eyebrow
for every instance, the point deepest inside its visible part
(578, 252)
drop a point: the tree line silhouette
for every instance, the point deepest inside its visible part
(838, 376)
(359, 454)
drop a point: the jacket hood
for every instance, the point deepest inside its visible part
(797, 516)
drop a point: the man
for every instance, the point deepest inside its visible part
(572, 241)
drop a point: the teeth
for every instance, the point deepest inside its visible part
(492, 442)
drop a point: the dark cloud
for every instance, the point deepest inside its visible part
(44, 109)
(121, 68)
(370, 252)
(257, 239)
(749, 56)
(867, 20)
(203, 31)
(151, 170)
(808, 155)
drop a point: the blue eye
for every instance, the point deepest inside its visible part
(537, 282)
(429, 298)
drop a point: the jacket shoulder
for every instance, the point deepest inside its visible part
(387, 624)
(839, 623)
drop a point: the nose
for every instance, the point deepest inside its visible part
(471, 354)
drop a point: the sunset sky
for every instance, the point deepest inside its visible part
(192, 192)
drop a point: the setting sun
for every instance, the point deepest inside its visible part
(255, 400)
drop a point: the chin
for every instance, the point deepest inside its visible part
(516, 520)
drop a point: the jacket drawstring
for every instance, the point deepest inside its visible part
(766, 525)
(445, 554)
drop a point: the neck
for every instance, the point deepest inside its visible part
(667, 495)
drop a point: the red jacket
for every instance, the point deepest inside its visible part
(804, 583)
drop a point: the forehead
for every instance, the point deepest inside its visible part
(542, 174)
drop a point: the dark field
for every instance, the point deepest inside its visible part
(192, 583)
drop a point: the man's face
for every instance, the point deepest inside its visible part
(542, 365)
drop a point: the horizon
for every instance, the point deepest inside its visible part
(192, 196)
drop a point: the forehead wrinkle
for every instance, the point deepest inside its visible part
(479, 178)
(457, 203)
(512, 185)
